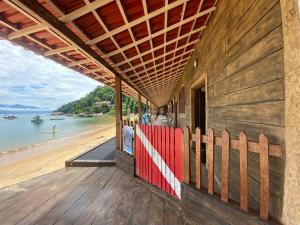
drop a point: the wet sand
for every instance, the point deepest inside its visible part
(47, 157)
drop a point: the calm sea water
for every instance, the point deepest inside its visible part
(21, 132)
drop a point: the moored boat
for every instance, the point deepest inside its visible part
(37, 119)
(10, 117)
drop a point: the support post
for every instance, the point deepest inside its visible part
(139, 108)
(118, 107)
(290, 12)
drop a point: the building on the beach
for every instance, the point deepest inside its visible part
(217, 65)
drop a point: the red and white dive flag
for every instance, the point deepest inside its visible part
(158, 157)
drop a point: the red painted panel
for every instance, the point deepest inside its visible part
(143, 156)
(178, 159)
(167, 143)
(168, 187)
(150, 159)
(163, 156)
(146, 155)
(172, 157)
(137, 152)
(159, 152)
(156, 147)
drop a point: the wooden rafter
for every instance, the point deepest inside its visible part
(148, 46)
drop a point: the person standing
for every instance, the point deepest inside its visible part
(162, 119)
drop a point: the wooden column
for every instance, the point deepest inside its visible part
(118, 107)
(139, 108)
(290, 11)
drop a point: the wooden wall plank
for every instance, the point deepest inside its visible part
(252, 113)
(243, 171)
(271, 43)
(225, 165)
(255, 74)
(210, 160)
(264, 176)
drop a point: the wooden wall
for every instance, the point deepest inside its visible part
(241, 54)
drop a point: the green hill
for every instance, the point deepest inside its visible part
(100, 100)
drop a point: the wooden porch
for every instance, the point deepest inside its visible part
(105, 196)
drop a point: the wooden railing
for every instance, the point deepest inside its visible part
(263, 148)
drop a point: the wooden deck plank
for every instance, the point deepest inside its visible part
(108, 196)
(126, 206)
(141, 208)
(108, 212)
(94, 209)
(156, 211)
(40, 212)
(20, 191)
(172, 215)
(58, 210)
(16, 212)
(74, 212)
(25, 187)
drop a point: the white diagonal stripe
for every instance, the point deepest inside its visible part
(163, 167)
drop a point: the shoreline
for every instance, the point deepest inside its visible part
(33, 145)
(46, 157)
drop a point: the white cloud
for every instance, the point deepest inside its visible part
(29, 79)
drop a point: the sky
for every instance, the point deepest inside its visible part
(30, 79)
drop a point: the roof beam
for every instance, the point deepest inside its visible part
(84, 61)
(163, 56)
(166, 44)
(137, 21)
(26, 31)
(84, 10)
(149, 37)
(34, 8)
(59, 50)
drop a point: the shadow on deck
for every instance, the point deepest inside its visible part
(102, 155)
(103, 195)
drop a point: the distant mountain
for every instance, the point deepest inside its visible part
(17, 106)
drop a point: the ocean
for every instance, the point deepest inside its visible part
(21, 132)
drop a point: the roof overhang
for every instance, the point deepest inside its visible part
(146, 43)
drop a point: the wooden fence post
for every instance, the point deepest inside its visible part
(210, 161)
(243, 171)
(264, 176)
(198, 158)
(186, 156)
(225, 165)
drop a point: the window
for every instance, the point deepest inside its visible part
(182, 100)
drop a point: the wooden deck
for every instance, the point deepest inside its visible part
(92, 196)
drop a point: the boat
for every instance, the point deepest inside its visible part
(10, 117)
(37, 119)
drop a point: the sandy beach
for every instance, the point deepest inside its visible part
(47, 157)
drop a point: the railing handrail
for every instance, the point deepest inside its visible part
(262, 147)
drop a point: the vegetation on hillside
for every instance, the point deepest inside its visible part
(100, 100)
